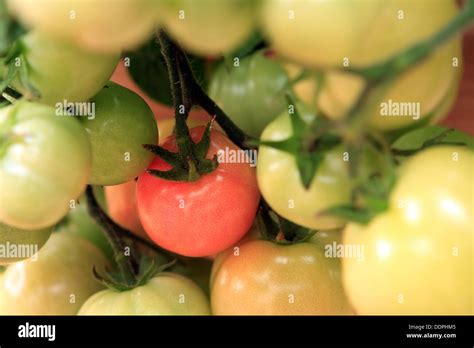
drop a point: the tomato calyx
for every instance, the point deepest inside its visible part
(17, 67)
(132, 269)
(10, 29)
(308, 143)
(277, 229)
(190, 162)
(148, 268)
(446, 137)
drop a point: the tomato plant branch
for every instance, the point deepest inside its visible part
(98, 214)
(193, 94)
(382, 73)
(126, 265)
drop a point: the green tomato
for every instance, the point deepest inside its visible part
(252, 93)
(98, 25)
(60, 71)
(400, 24)
(123, 122)
(165, 294)
(57, 283)
(280, 184)
(45, 164)
(209, 27)
(17, 244)
(264, 278)
(418, 255)
(80, 223)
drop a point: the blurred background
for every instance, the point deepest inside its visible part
(460, 117)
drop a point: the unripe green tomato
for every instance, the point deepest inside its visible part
(399, 23)
(17, 244)
(57, 283)
(209, 27)
(45, 162)
(58, 70)
(98, 25)
(123, 122)
(164, 294)
(252, 93)
(281, 186)
(418, 255)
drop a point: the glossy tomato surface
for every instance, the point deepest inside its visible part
(165, 294)
(209, 27)
(252, 93)
(123, 122)
(17, 244)
(204, 217)
(400, 24)
(59, 71)
(44, 164)
(281, 186)
(57, 283)
(94, 24)
(263, 278)
(418, 254)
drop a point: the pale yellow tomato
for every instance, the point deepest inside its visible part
(361, 33)
(104, 26)
(418, 256)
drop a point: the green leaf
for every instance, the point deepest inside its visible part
(10, 29)
(175, 174)
(202, 147)
(432, 135)
(308, 164)
(166, 155)
(148, 69)
(349, 213)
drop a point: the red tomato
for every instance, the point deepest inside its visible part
(204, 217)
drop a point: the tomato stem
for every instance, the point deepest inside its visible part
(189, 93)
(126, 264)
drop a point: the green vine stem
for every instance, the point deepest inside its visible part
(126, 265)
(192, 94)
(382, 73)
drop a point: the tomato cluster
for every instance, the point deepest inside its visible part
(315, 185)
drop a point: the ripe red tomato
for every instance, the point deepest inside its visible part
(204, 217)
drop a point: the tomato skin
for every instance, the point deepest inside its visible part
(46, 286)
(78, 222)
(253, 93)
(92, 24)
(10, 236)
(60, 71)
(277, 169)
(121, 200)
(418, 254)
(210, 27)
(428, 83)
(123, 122)
(351, 26)
(206, 216)
(265, 278)
(40, 150)
(162, 295)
